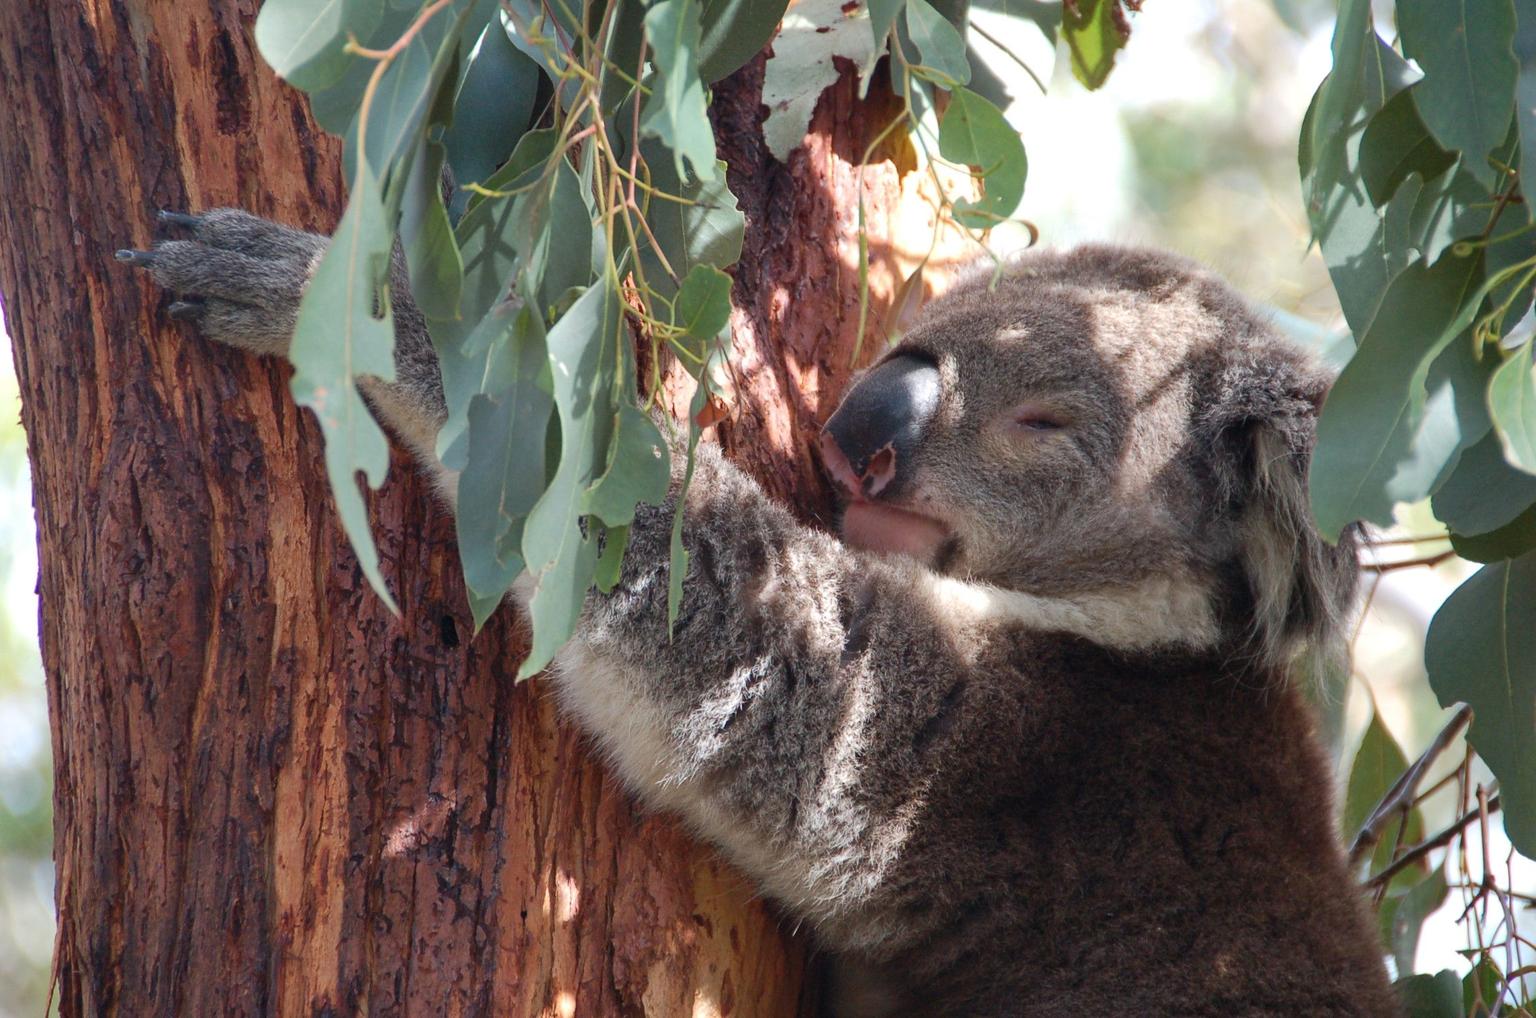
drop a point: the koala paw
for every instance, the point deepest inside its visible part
(239, 278)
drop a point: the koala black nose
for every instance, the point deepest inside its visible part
(871, 439)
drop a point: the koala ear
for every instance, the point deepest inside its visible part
(1260, 430)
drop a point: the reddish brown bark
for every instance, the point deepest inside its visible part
(271, 795)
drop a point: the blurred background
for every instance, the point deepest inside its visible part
(1190, 145)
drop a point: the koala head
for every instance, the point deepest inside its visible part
(1099, 418)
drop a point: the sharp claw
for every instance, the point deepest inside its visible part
(185, 310)
(132, 257)
(183, 219)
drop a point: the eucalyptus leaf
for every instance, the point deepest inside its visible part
(676, 111)
(338, 338)
(1426, 996)
(1372, 449)
(493, 108)
(1485, 492)
(1512, 402)
(1093, 38)
(940, 46)
(1378, 763)
(305, 41)
(638, 469)
(734, 32)
(1401, 916)
(882, 15)
(1395, 144)
(432, 253)
(335, 105)
(1481, 650)
(610, 561)
(703, 228)
(1512, 540)
(504, 472)
(974, 132)
(561, 556)
(702, 309)
(1467, 54)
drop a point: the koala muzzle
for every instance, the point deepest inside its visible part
(869, 442)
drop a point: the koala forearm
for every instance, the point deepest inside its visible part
(780, 716)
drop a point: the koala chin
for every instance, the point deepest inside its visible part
(1023, 743)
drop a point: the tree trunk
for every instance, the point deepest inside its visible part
(271, 795)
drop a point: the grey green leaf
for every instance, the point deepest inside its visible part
(1481, 650)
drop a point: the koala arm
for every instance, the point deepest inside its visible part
(801, 710)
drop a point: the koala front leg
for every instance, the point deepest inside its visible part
(807, 712)
(239, 279)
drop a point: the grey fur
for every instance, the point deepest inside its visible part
(1068, 778)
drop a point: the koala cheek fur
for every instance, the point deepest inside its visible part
(1066, 774)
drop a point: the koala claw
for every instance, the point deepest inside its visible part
(186, 310)
(135, 258)
(183, 219)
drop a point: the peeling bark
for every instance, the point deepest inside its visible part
(272, 797)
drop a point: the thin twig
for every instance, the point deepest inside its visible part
(1412, 563)
(1400, 798)
(1423, 848)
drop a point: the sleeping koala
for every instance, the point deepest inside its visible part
(1022, 742)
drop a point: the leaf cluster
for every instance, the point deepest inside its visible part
(591, 214)
(1413, 157)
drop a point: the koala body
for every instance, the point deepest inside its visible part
(1022, 742)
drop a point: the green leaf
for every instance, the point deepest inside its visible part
(812, 34)
(336, 105)
(974, 132)
(638, 469)
(1525, 91)
(432, 254)
(584, 347)
(1512, 403)
(882, 15)
(504, 471)
(303, 40)
(610, 563)
(678, 563)
(1093, 38)
(1402, 916)
(734, 32)
(1481, 988)
(1363, 249)
(1378, 763)
(1436, 996)
(554, 237)
(941, 47)
(1485, 492)
(702, 309)
(1395, 144)
(1466, 51)
(410, 87)
(487, 238)
(706, 228)
(1481, 650)
(676, 111)
(337, 338)
(493, 108)
(1512, 540)
(1372, 450)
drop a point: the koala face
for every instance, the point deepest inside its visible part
(1098, 418)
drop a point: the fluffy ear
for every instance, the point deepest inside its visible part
(1260, 430)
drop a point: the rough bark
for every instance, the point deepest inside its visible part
(273, 797)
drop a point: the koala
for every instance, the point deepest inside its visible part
(1022, 741)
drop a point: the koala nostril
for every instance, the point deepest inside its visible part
(881, 470)
(837, 464)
